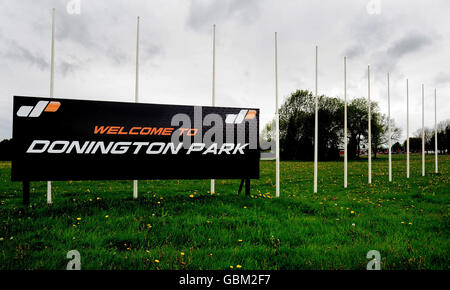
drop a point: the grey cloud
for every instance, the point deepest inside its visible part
(16, 52)
(388, 58)
(202, 14)
(117, 55)
(66, 68)
(74, 28)
(150, 49)
(410, 43)
(354, 51)
(153, 50)
(442, 78)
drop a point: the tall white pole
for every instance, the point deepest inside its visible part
(52, 72)
(135, 182)
(345, 122)
(389, 128)
(277, 125)
(370, 130)
(436, 167)
(407, 129)
(213, 189)
(423, 133)
(316, 125)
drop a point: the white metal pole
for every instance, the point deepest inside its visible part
(423, 133)
(436, 167)
(213, 189)
(52, 71)
(389, 128)
(407, 129)
(345, 122)
(316, 126)
(135, 182)
(369, 155)
(277, 125)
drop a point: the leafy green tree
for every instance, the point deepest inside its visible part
(297, 127)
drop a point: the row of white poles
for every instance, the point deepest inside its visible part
(316, 96)
(389, 129)
(277, 124)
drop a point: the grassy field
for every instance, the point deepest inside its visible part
(179, 225)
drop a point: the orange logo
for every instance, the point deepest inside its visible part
(36, 111)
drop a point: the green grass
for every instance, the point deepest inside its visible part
(407, 221)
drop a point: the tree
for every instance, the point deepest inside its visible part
(428, 134)
(380, 132)
(415, 144)
(267, 132)
(297, 127)
(397, 147)
(357, 114)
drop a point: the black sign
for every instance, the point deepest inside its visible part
(64, 139)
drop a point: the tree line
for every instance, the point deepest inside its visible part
(297, 129)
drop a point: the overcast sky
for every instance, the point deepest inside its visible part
(95, 52)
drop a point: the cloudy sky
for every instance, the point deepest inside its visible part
(95, 51)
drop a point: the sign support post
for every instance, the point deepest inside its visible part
(277, 125)
(389, 129)
(135, 182)
(52, 71)
(316, 128)
(369, 155)
(436, 167)
(345, 122)
(423, 133)
(213, 187)
(407, 129)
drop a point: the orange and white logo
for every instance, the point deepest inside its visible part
(239, 118)
(36, 111)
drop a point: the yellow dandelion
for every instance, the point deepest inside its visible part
(352, 212)
(240, 241)
(156, 261)
(106, 216)
(402, 222)
(191, 196)
(78, 219)
(410, 223)
(148, 251)
(245, 206)
(182, 253)
(98, 198)
(238, 266)
(231, 267)
(149, 226)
